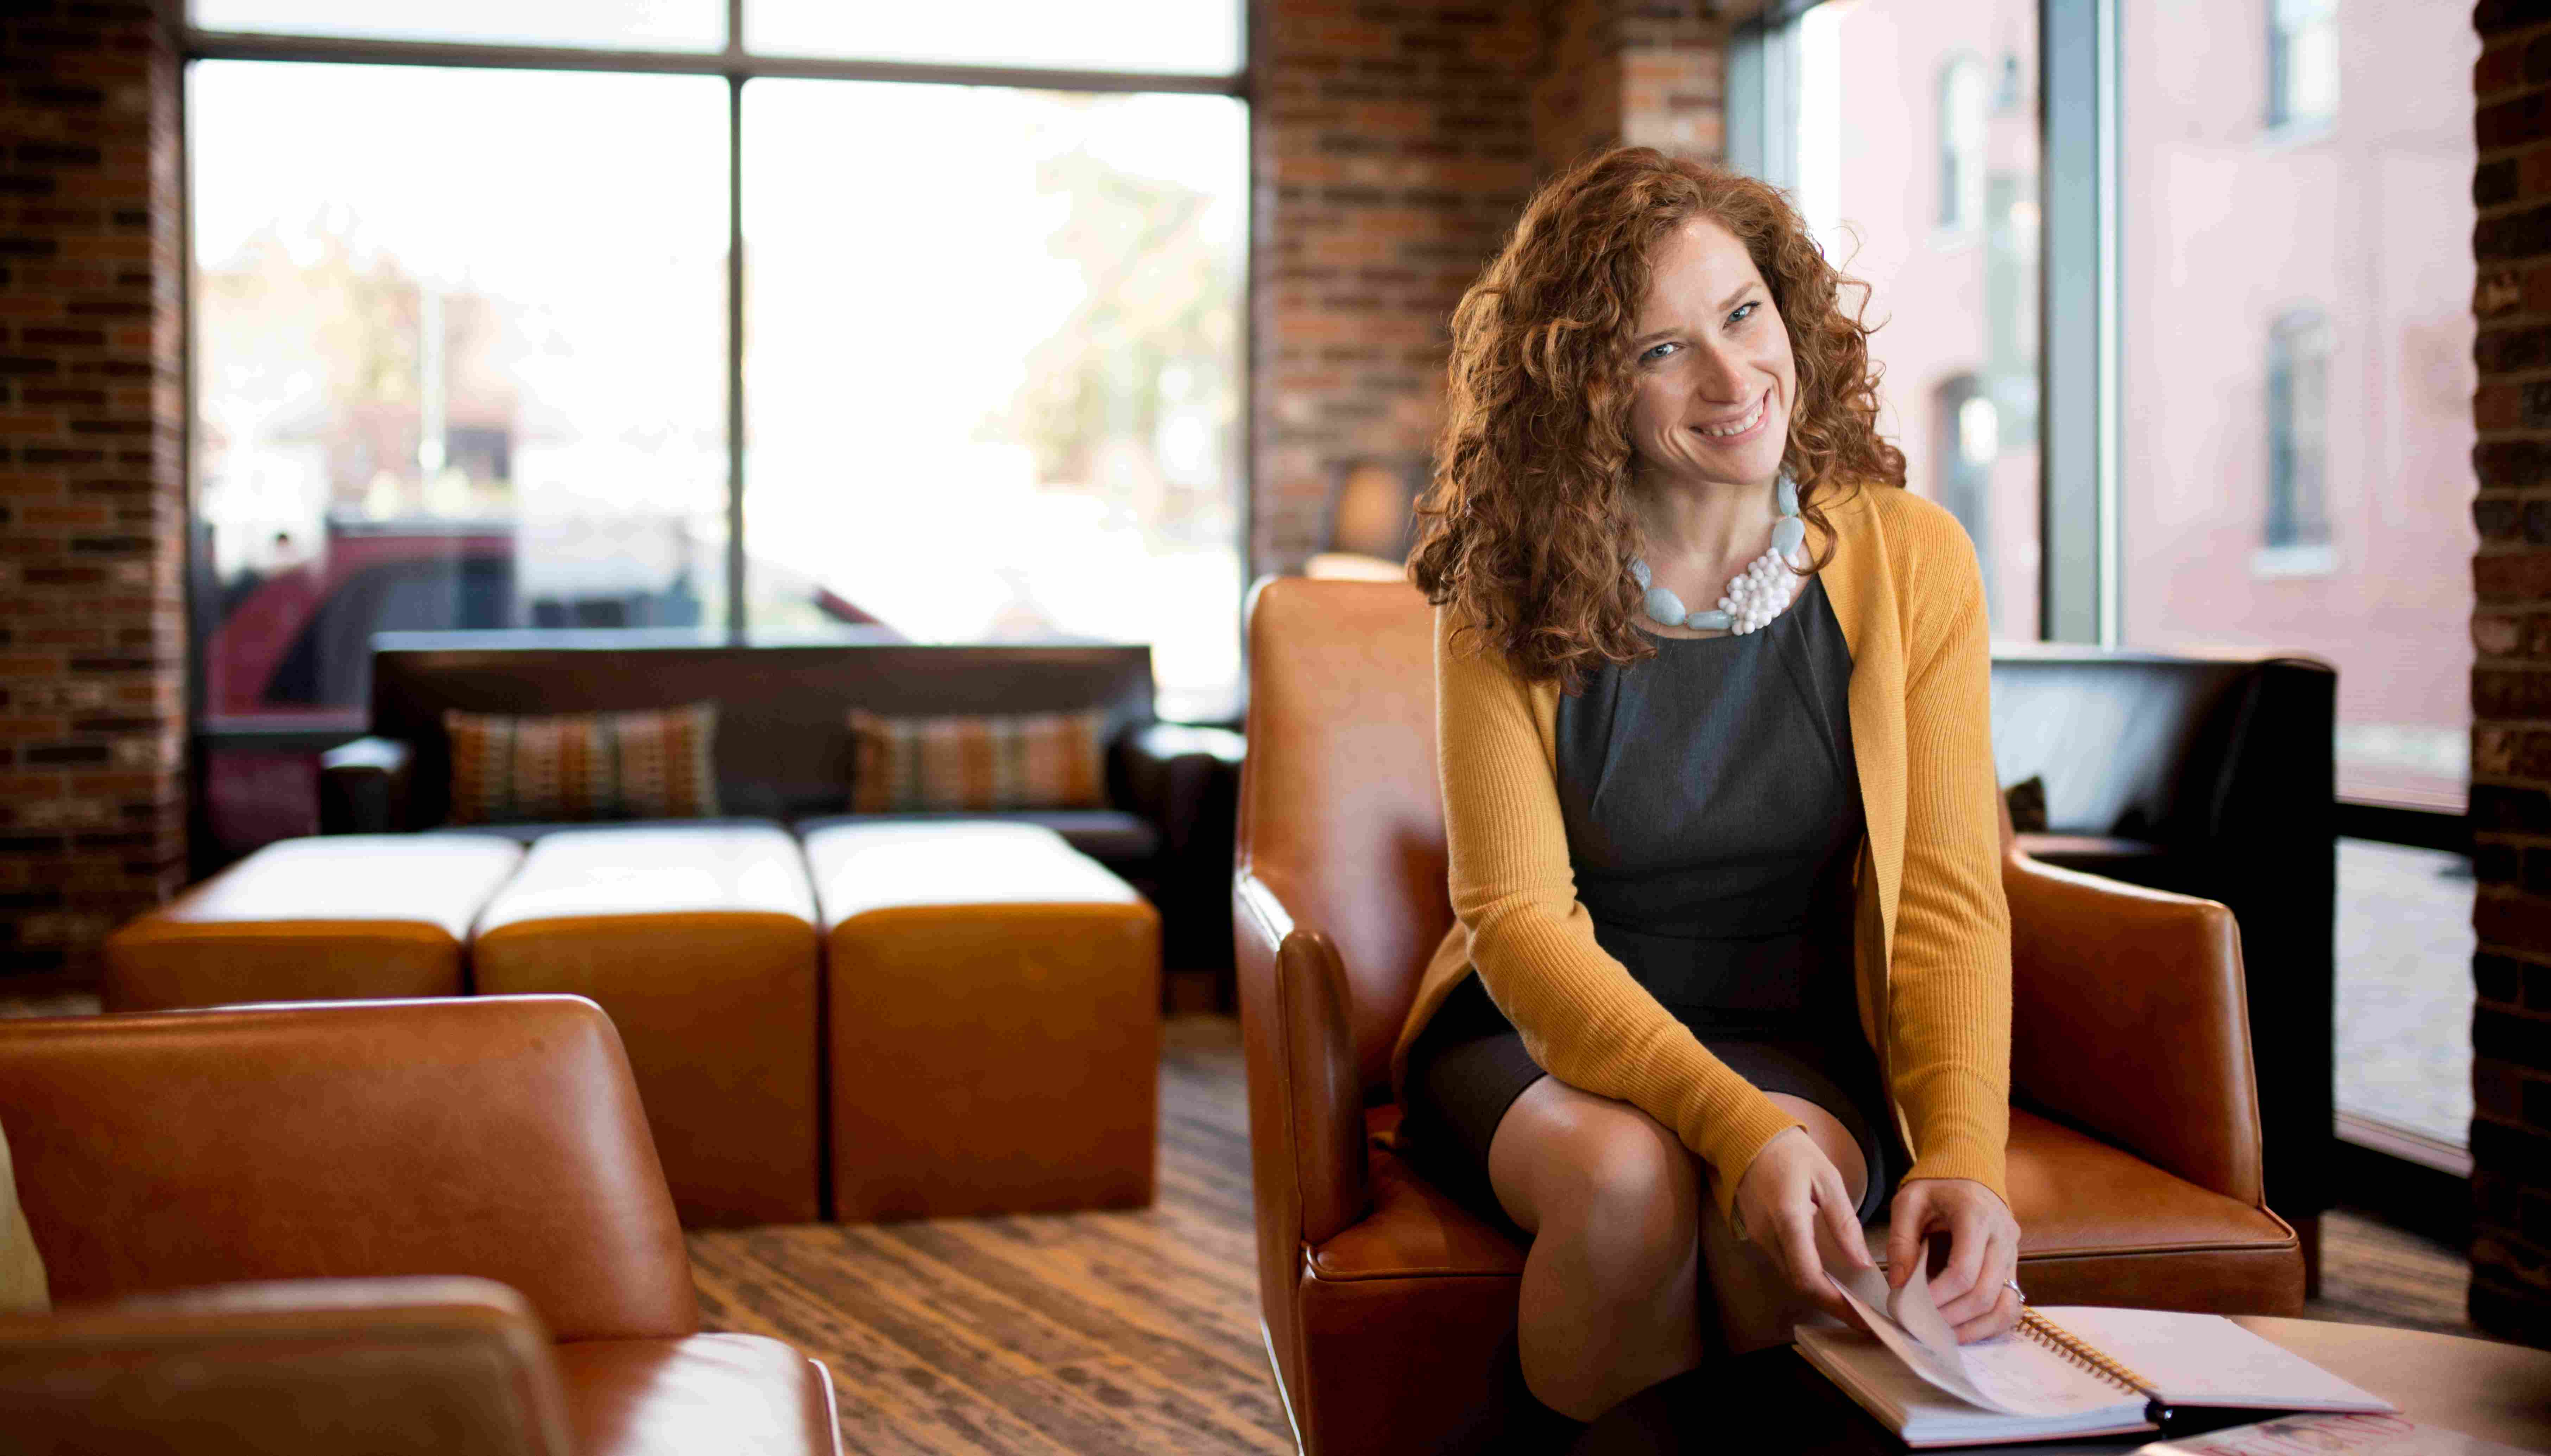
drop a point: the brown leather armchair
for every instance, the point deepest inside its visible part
(2134, 1166)
(365, 1226)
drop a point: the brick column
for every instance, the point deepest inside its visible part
(92, 638)
(1396, 143)
(2510, 795)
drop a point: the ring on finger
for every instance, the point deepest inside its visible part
(2013, 1283)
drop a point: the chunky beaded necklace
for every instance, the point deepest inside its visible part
(1760, 593)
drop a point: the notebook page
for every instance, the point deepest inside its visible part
(2207, 1360)
(2012, 1376)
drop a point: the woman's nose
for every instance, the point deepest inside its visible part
(1718, 376)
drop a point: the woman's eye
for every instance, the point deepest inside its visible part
(1745, 312)
(1657, 352)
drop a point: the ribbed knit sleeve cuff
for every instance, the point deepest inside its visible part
(1728, 1144)
(1976, 1164)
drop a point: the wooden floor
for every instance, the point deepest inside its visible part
(1136, 1332)
(1057, 1333)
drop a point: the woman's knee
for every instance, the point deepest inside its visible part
(1626, 1198)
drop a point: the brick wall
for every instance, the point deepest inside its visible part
(2510, 799)
(92, 675)
(1398, 142)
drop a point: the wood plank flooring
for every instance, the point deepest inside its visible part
(1137, 1332)
(1054, 1334)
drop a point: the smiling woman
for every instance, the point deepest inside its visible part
(1694, 870)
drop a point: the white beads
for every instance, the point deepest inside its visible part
(1760, 593)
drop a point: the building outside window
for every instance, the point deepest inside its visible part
(1952, 269)
(2303, 63)
(1960, 118)
(2298, 431)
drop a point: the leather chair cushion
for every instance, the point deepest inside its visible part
(340, 917)
(2102, 1226)
(2097, 1226)
(734, 1394)
(1110, 836)
(673, 928)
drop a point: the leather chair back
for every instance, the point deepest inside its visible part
(499, 1138)
(783, 740)
(1342, 737)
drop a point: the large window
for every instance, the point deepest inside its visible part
(2253, 400)
(2296, 377)
(1952, 266)
(459, 365)
(465, 324)
(1002, 398)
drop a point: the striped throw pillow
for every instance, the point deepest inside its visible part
(1025, 761)
(583, 766)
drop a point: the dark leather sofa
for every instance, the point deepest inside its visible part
(2209, 775)
(783, 747)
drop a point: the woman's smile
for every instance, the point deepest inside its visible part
(1742, 426)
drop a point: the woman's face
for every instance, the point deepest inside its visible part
(1711, 371)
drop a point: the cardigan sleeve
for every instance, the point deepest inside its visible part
(1582, 1016)
(1949, 987)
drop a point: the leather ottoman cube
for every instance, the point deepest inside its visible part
(994, 1022)
(332, 918)
(700, 944)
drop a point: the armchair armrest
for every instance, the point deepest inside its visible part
(364, 786)
(1307, 1092)
(306, 1365)
(2129, 1018)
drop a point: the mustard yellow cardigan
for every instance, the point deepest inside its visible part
(1933, 944)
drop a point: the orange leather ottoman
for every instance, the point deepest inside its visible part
(995, 1022)
(332, 918)
(700, 944)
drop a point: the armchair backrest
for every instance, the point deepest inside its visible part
(1340, 812)
(497, 1136)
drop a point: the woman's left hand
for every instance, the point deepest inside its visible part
(1973, 1290)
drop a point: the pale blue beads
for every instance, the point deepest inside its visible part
(1760, 594)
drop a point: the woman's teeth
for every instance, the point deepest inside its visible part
(1753, 418)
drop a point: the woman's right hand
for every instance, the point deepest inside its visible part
(1789, 1195)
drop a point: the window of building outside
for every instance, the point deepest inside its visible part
(2297, 382)
(2298, 437)
(2304, 62)
(1962, 121)
(463, 363)
(1953, 267)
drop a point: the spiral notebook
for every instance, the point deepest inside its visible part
(2072, 1371)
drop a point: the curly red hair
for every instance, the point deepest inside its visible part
(1526, 528)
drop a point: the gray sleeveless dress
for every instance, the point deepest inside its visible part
(1713, 823)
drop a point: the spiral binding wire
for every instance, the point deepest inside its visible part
(2083, 1353)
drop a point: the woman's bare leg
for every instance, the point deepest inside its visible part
(1757, 1307)
(1620, 1212)
(1610, 1301)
